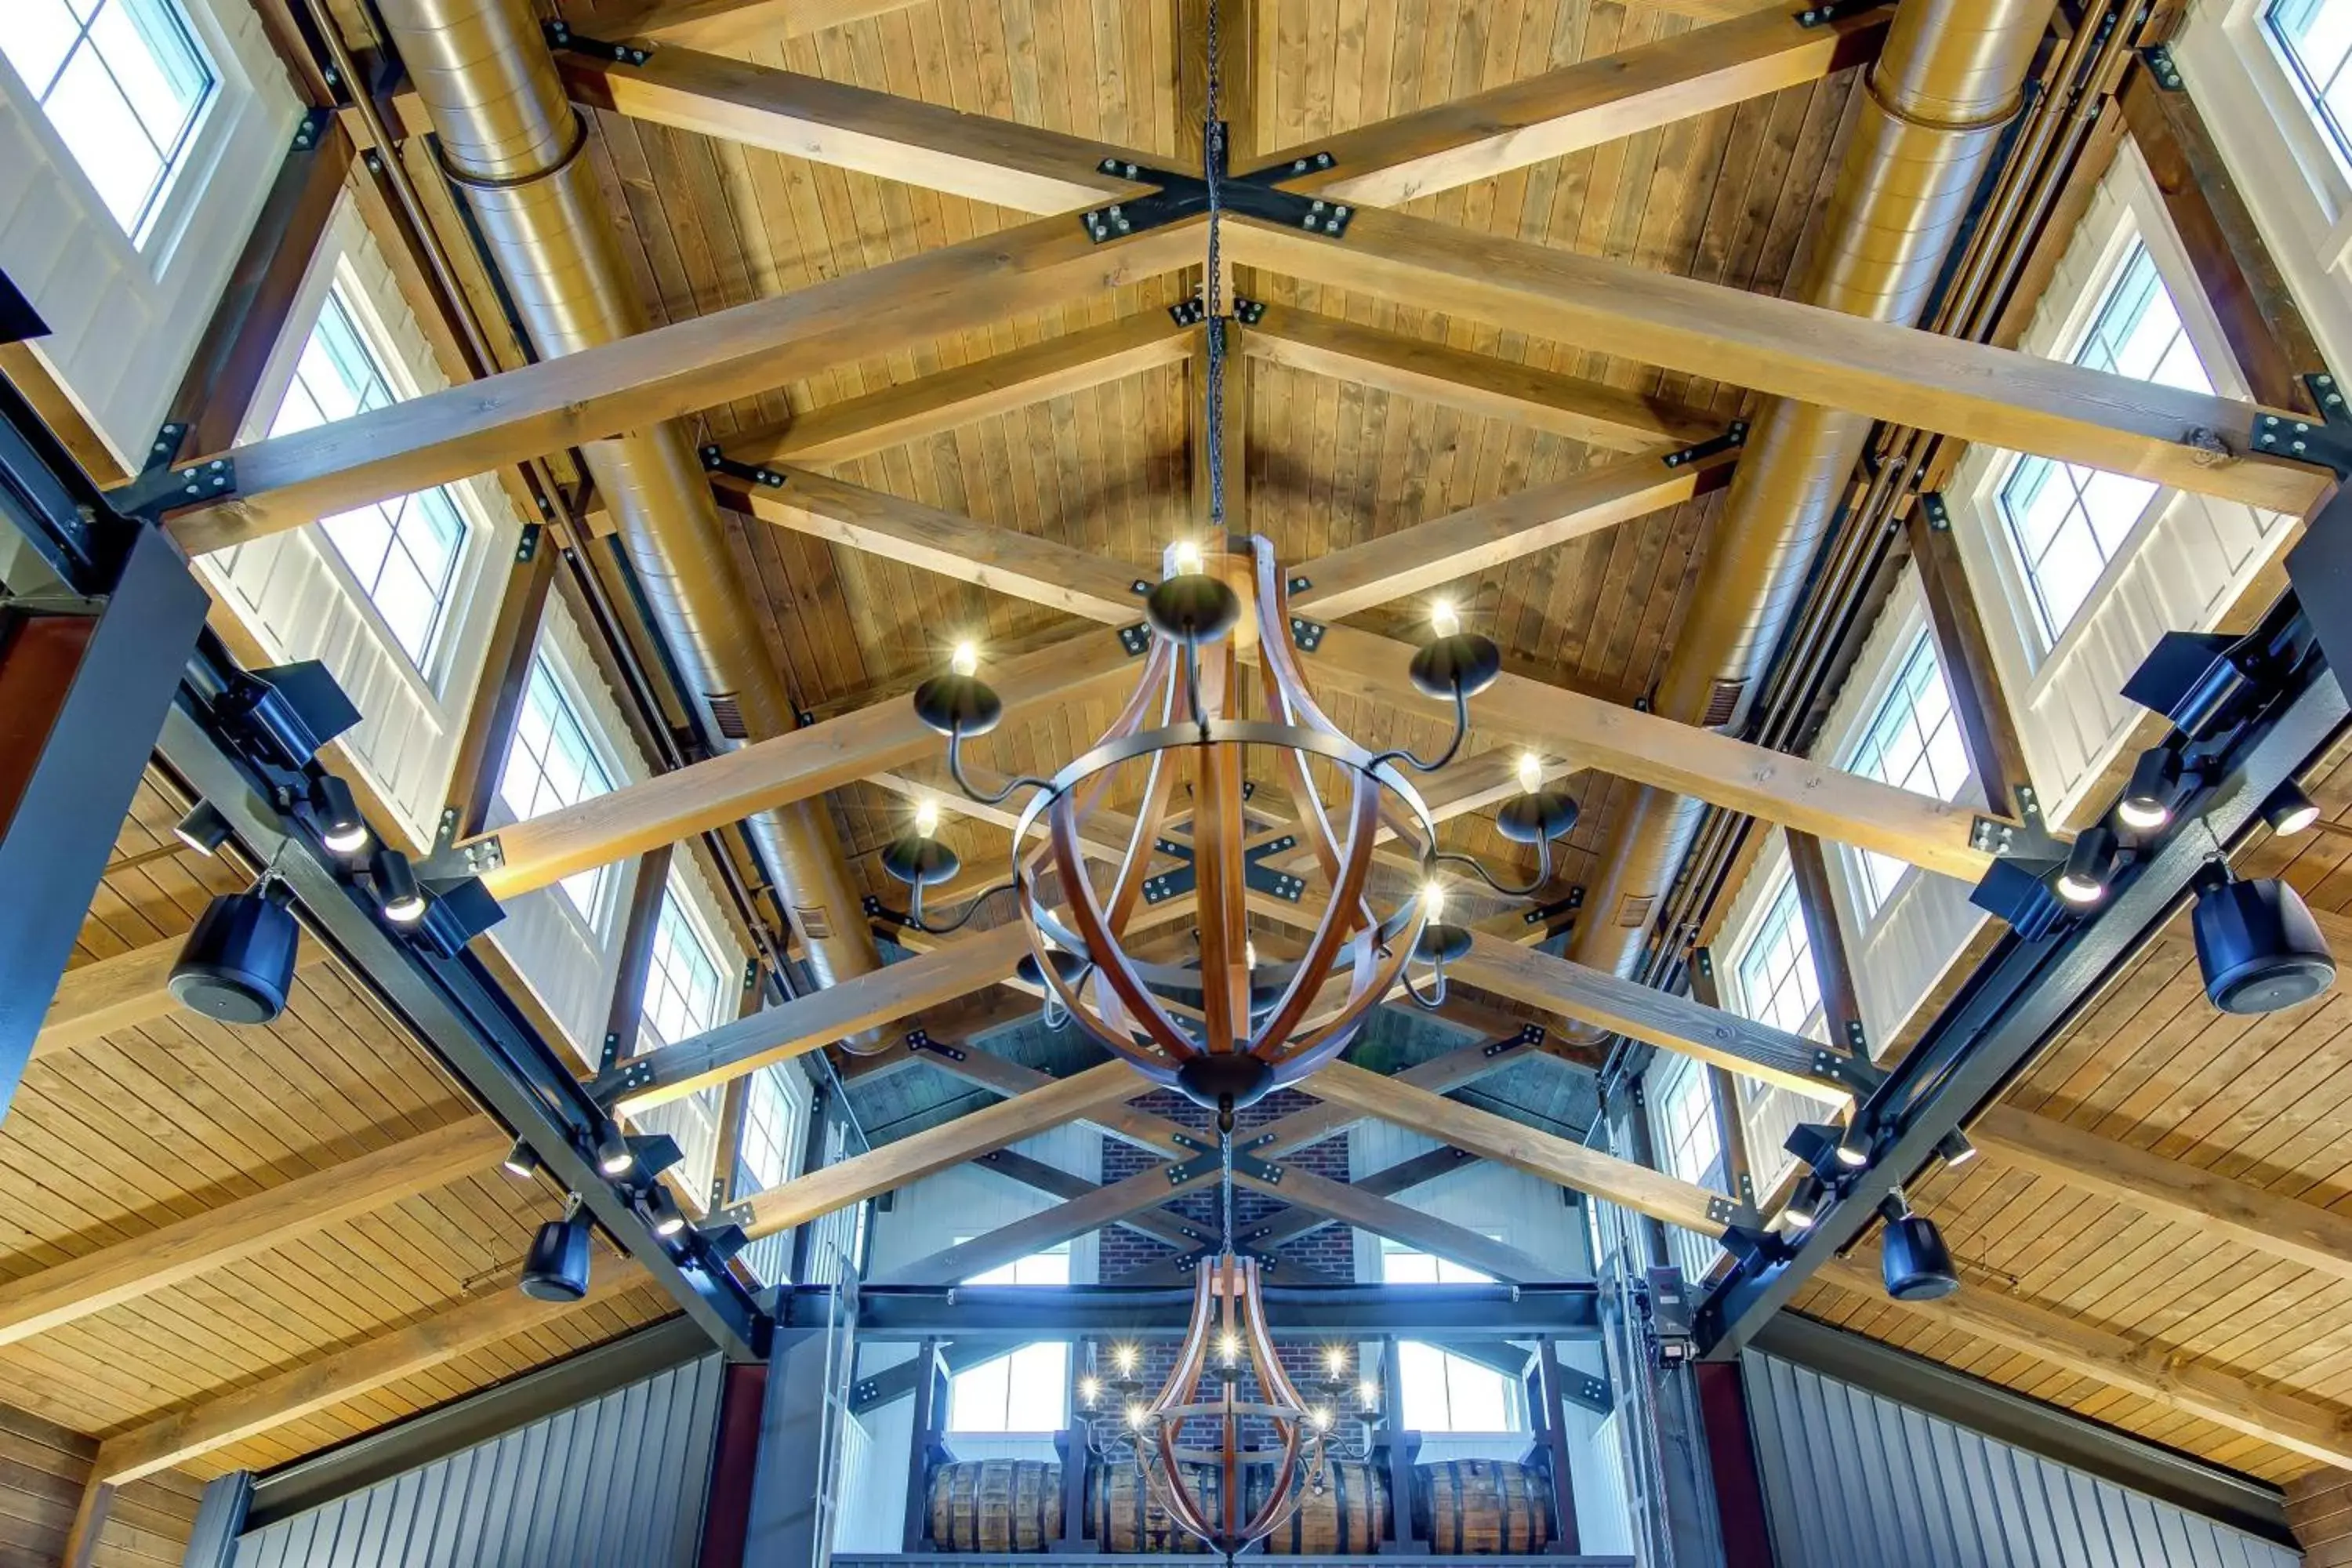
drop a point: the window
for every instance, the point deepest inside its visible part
(1912, 742)
(403, 552)
(2064, 521)
(1028, 1390)
(1777, 983)
(122, 82)
(2314, 39)
(682, 981)
(771, 1131)
(1439, 1391)
(550, 765)
(1693, 1143)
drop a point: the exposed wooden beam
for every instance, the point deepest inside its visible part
(310, 1386)
(1673, 1022)
(2166, 1377)
(717, 24)
(1385, 1216)
(94, 1000)
(184, 1248)
(669, 372)
(1282, 1228)
(1588, 411)
(1809, 869)
(796, 766)
(2193, 440)
(1023, 167)
(1489, 534)
(2216, 1204)
(815, 1020)
(1988, 722)
(1583, 105)
(1159, 1226)
(489, 729)
(893, 1165)
(857, 426)
(80, 1550)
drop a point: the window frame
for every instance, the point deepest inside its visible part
(597, 919)
(791, 1139)
(1065, 1252)
(1912, 638)
(2333, 140)
(149, 228)
(1515, 1411)
(678, 898)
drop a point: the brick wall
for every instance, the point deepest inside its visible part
(1330, 1249)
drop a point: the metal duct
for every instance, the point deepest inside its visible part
(515, 146)
(1943, 89)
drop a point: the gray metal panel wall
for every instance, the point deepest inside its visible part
(617, 1482)
(1852, 1480)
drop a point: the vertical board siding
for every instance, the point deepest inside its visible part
(1852, 1480)
(618, 1483)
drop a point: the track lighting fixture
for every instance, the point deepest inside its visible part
(1819, 1147)
(2289, 811)
(397, 888)
(2257, 945)
(556, 1267)
(719, 1243)
(237, 965)
(522, 1162)
(662, 1212)
(1955, 1148)
(457, 911)
(204, 829)
(1913, 1259)
(341, 827)
(1853, 1146)
(2146, 802)
(1804, 1205)
(614, 1154)
(286, 711)
(2083, 881)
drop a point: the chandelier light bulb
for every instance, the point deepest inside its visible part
(1531, 772)
(1229, 1347)
(1186, 558)
(1135, 1415)
(1089, 1390)
(927, 817)
(1249, 956)
(1443, 619)
(1335, 1360)
(1123, 1357)
(1433, 901)
(1322, 1417)
(965, 661)
(1369, 1393)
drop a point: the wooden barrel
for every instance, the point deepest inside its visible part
(996, 1505)
(1125, 1517)
(1463, 1507)
(1346, 1516)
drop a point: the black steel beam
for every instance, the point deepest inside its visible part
(2026, 991)
(2060, 1436)
(454, 1007)
(914, 1312)
(321, 1478)
(83, 690)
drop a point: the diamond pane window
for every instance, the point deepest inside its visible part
(122, 82)
(1913, 743)
(2065, 521)
(1777, 983)
(682, 981)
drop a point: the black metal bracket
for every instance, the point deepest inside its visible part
(1734, 436)
(2325, 442)
(1191, 312)
(1136, 640)
(161, 489)
(1855, 1072)
(1178, 195)
(1261, 878)
(1206, 1161)
(1306, 634)
(165, 450)
(921, 1042)
(2163, 68)
(1530, 1035)
(1173, 883)
(716, 461)
(312, 129)
(560, 35)
(1587, 1392)
(1856, 1040)
(1544, 914)
(2027, 838)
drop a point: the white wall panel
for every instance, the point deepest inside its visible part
(1517, 1209)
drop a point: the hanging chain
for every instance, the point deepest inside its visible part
(1213, 158)
(1226, 1191)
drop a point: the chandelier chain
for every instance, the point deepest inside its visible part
(1213, 159)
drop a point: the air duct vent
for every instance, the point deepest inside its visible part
(811, 917)
(726, 712)
(1722, 703)
(1633, 912)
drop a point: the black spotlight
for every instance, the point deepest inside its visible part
(238, 963)
(204, 829)
(341, 825)
(521, 1160)
(2257, 945)
(1913, 1259)
(396, 888)
(2082, 879)
(1192, 607)
(614, 1154)
(457, 911)
(662, 1212)
(959, 703)
(2290, 810)
(1955, 1148)
(556, 1267)
(1454, 664)
(1804, 1205)
(2146, 802)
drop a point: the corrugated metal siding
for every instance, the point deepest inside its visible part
(618, 1483)
(1852, 1480)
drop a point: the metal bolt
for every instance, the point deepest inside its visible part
(1131, 171)
(1299, 167)
(1315, 206)
(1344, 212)
(1109, 166)
(1323, 160)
